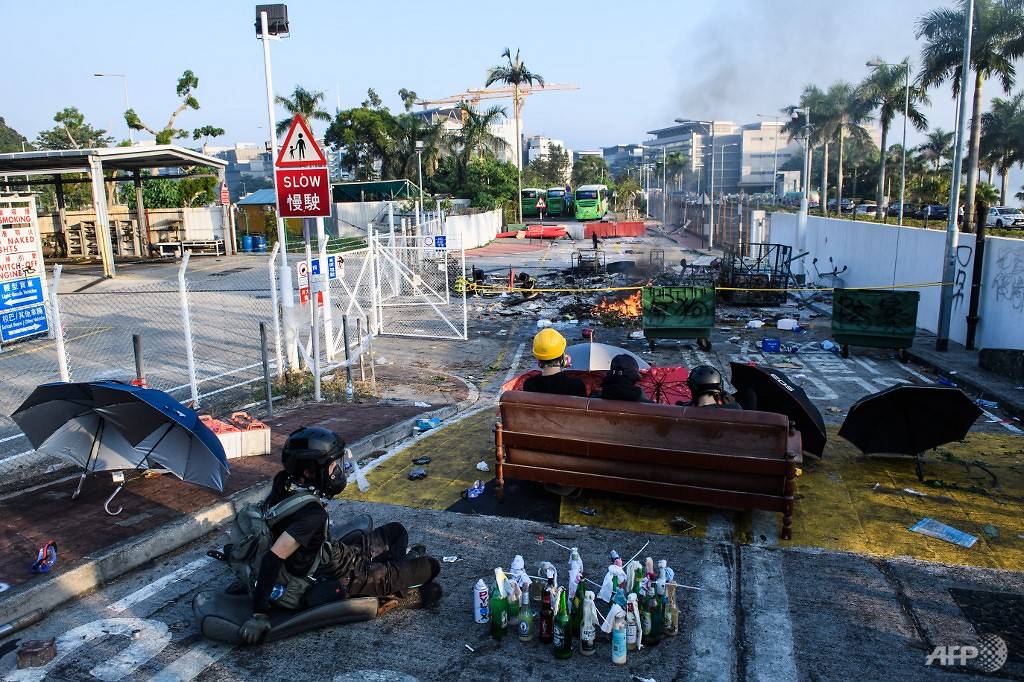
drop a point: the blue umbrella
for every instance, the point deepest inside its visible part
(111, 426)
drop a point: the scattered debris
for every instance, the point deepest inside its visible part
(829, 346)
(833, 408)
(427, 424)
(4, 587)
(482, 466)
(422, 460)
(681, 524)
(450, 559)
(787, 324)
(420, 403)
(542, 323)
(638, 334)
(946, 382)
(755, 324)
(36, 653)
(771, 344)
(470, 648)
(991, 532)
(588, 511)
(417, 473)
(987, 404)
(940, 531)
(474, 491)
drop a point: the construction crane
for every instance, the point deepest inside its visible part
(473, 96)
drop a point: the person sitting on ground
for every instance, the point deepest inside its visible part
(706, 390)
(304, 567)
(621, 381)
(549, 349)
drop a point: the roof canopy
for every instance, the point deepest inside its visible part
(261, 197)
(379, 190)
(113, 158)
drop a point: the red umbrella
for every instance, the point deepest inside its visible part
(665, 385)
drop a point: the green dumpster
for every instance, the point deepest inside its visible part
(877, 318)
(678, 313)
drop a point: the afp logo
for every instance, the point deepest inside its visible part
(989, 655)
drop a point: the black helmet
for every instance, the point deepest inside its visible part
(313, 449)
(704, 379)
(625, 365)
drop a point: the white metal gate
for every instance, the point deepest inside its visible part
(415, 284)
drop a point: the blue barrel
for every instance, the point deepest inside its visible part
(259, 244)
(247, 243)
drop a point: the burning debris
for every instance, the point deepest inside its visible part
(618, 312)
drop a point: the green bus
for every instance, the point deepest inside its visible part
(528, 201)
(591, 202)
(556, 202)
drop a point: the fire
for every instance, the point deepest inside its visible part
(626, 307)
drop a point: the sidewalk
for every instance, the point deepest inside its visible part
(83, 531)
(961, 367)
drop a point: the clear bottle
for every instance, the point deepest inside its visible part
(671, 611)
(545, 633)
(619, 640)
(588, 626)
(632, 623)
(512, 597)
(562, 631)
(525, 618)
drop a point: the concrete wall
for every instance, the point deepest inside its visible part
(872, 252)
(472, 230)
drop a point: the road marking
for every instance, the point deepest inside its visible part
(768, 626)
(866, 364)
(16, 436)
(763, 526)
(25, 491)
(826, 392)
(915, 373)
(712, 651)
(516, 358)
(16, 455)
(152, 588)
(1009, 427)
(861, 381)
(189, 665)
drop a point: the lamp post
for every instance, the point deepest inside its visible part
(419, 166)
(284, 275)
(775, 155)
(711, 206)
(801, 221)
(124, 81)
(877, 63)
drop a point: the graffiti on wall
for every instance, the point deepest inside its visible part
(1009, 279)
(963, 258)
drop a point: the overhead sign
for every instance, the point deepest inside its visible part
(22, 280)
(303, 193)
(22, 323)
(299, 148)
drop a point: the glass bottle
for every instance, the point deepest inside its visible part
(619, 640)
(562, 631)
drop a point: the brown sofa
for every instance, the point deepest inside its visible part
(706, 456)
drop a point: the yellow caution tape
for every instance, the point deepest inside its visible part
(491, 288)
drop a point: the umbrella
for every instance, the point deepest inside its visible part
(590, 356)
(111, 426)
(776, 393)
(665, 385)
(908, 420)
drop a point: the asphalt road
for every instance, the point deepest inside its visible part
(761, 614)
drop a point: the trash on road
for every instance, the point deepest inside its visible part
(421, 460)
(36, 653)
(588, 511)
(482, 466)
(450, 559)
(638, 334)
(946, 382)
(681, 524)
(755, 324)
(420, 403)
(470, 648)
(787, 324)
(829, 346)
(987, 404)
(542, 323)
(46, 558)
(474, 491)
(991, 532)
(940, 531)
(771, 344)
(4, 587)
(417, 473)
(427, 424)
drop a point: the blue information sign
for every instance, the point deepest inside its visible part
(23, 322)
(21, 292)
(332, 267)
(440, 242)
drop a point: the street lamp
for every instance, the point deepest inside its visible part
(801, 221)
(877, 63)
(124, 80)
(775, 155)
(419, 164)
(711, 208)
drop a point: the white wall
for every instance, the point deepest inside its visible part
(871, 251)
(473, 230)
(204, 223)
(352, 217)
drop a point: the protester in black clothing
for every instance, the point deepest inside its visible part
(706, 390)
(549, 349)
(303, 555)
(620, 383)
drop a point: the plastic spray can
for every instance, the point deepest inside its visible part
(619, 640)
(481, 602)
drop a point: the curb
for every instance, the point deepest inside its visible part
(113, 562)
(1007, 403)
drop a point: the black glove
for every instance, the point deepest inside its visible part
(255, 629)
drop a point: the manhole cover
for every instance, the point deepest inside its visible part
(1000, 613)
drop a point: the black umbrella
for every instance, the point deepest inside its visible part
(776, 393)
(909, 420)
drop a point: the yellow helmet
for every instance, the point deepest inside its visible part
(548, 344)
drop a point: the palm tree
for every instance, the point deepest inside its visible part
(304, 102)
(849, 114)
(885, 90)
(1001, 144)
(937, 147)
(475, 138)
(514, 73)
(997, 41)
(814, 100)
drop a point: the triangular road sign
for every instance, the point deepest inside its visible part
(541, 203)
(299, 148)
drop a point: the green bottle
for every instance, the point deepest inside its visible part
(562, 634)
(657, 614)
(525, 618)
(576, 617)
(499, 613)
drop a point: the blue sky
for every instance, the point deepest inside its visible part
(639, 64)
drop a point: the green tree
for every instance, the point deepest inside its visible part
(937, 147)
(401, 161)
(304, 103)
(1002, 137)
(515, 74)
(626, 193)
(185, 89)
(820, 133)
(549, 170)
(408, 98)
(72, 132)
(162, 193)
(475, 138)
(590, 170)
(373, 101)
(10, 139)
(997, 41)
(363, 138)
(885, 90)
(847, 113)
(206, 132)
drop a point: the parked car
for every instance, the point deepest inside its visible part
(908, 212)
(1005, 216)
(866, 209)
(847, 205)
(933, 212)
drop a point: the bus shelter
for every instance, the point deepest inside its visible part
(21, 170)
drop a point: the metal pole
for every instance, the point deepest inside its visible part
(266, 369)
(140, 369)
(903, 151)
(419, 166)
(58, 328)
(373, 362)
(801, 221)
(664, 185)
(275, 310)
(949, 267)
(349, 391)
(775, 161)
(314, 327)
(362, 362)
(325, 283)
(186, 322)
(711, 216)
(284, 275)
